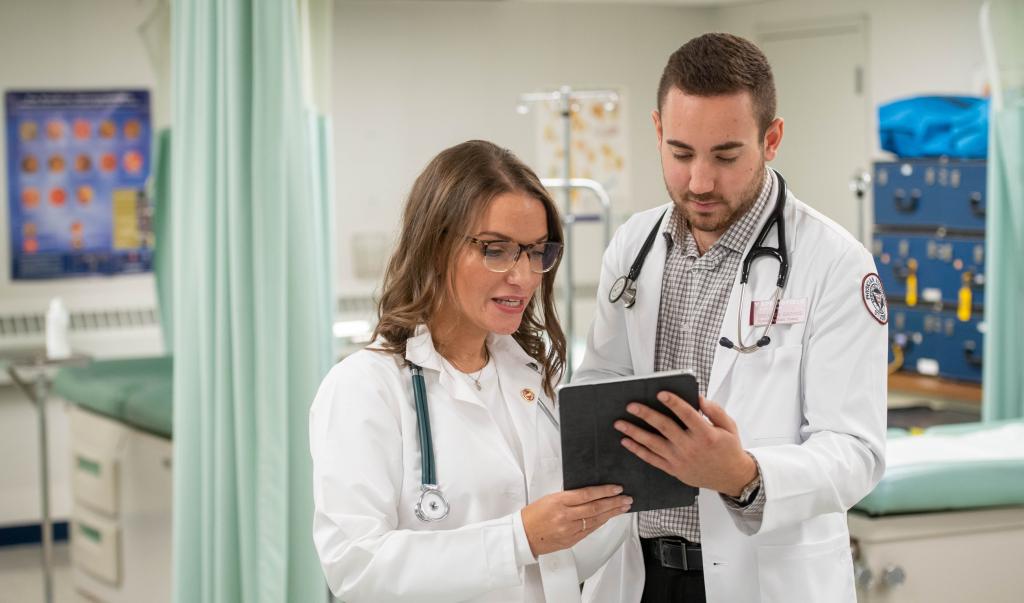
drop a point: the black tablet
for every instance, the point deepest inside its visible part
(592, 453)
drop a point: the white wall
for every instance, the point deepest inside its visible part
(60, 44)
(412, 78)
(70, 44)
(914, 47)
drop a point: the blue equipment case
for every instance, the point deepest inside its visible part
(929, 194)
(935, 342)
(941, 266)
(930, 222)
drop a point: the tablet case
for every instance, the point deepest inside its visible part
(592, 453)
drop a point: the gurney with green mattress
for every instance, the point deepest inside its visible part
(951, 467)
(135, 391)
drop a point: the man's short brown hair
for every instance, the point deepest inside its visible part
(715, 64)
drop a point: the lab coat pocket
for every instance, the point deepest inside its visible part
(767, 394)
(813, 572)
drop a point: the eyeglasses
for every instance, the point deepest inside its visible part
(501, 256)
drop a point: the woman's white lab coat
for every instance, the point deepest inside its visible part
(366, 480)
(811, 407)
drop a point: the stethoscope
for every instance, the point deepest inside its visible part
(432, 504)
(624, 287)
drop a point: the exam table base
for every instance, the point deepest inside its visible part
(969, 555)
(120, 545)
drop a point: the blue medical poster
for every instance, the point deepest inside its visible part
(77, 164)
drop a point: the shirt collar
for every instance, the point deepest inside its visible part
(737, 235)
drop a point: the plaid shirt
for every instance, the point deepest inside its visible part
(695, 292)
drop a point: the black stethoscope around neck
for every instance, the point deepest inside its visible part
(624, 288)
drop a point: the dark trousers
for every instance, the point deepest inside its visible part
(670, 585)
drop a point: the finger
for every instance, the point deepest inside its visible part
(598, 507)
(682, 409)
(595, 523)
(664, 424)
(717, 415)
(598, 521)
(653, 441)
(582, 496)
(647, 456)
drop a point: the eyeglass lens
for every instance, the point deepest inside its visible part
(501, 255)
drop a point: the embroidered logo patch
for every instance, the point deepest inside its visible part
(527, 394)
(874, 297)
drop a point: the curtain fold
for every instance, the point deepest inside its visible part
(1003, 394)
(160, 193)
(251, 302)
(1003, 379)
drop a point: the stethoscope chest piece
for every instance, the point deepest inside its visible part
(432, 505)
(625, 289)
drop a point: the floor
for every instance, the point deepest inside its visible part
(21, 574)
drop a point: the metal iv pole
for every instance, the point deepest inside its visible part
(567, 99)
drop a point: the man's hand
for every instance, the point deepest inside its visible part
(707, 454)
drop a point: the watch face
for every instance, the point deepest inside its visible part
(617, 288)
(432, 505)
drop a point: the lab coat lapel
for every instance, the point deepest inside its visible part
(515, 378)
(724, 357)
(643, 316)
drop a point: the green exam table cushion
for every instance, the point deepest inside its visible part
(987, 470)
(135, 391)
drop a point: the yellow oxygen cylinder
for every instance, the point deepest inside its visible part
(963, 307)
(911, 282)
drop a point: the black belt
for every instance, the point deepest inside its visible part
(674, 553)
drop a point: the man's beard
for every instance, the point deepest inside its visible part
(714, 224)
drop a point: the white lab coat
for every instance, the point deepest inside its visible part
(811, 407)
(366, 480)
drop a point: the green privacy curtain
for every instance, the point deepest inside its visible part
(160, 193)
(251, 301)
(1001, 24)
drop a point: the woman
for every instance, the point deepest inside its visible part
(479, 236)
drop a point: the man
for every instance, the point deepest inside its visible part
(793, 426)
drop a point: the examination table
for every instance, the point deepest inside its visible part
(120, 529)
(946, 523)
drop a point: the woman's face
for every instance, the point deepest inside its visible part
(494, 302)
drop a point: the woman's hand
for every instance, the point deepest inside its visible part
(560, 520)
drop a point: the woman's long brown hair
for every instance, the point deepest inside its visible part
(446, 201)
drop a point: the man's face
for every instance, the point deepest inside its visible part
(712, 156)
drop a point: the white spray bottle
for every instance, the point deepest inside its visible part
(57, 320)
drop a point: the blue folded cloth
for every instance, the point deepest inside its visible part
(935, 126)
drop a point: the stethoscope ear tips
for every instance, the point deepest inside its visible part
(763, 341)
(725, 342)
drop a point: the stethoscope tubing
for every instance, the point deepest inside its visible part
(428, 472)
(419, 391)
(780, 253)
(624, 288)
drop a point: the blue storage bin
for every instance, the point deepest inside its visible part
(936, 343)
(930, 194)
(942, 263)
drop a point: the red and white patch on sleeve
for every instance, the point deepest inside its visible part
(874, 297)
